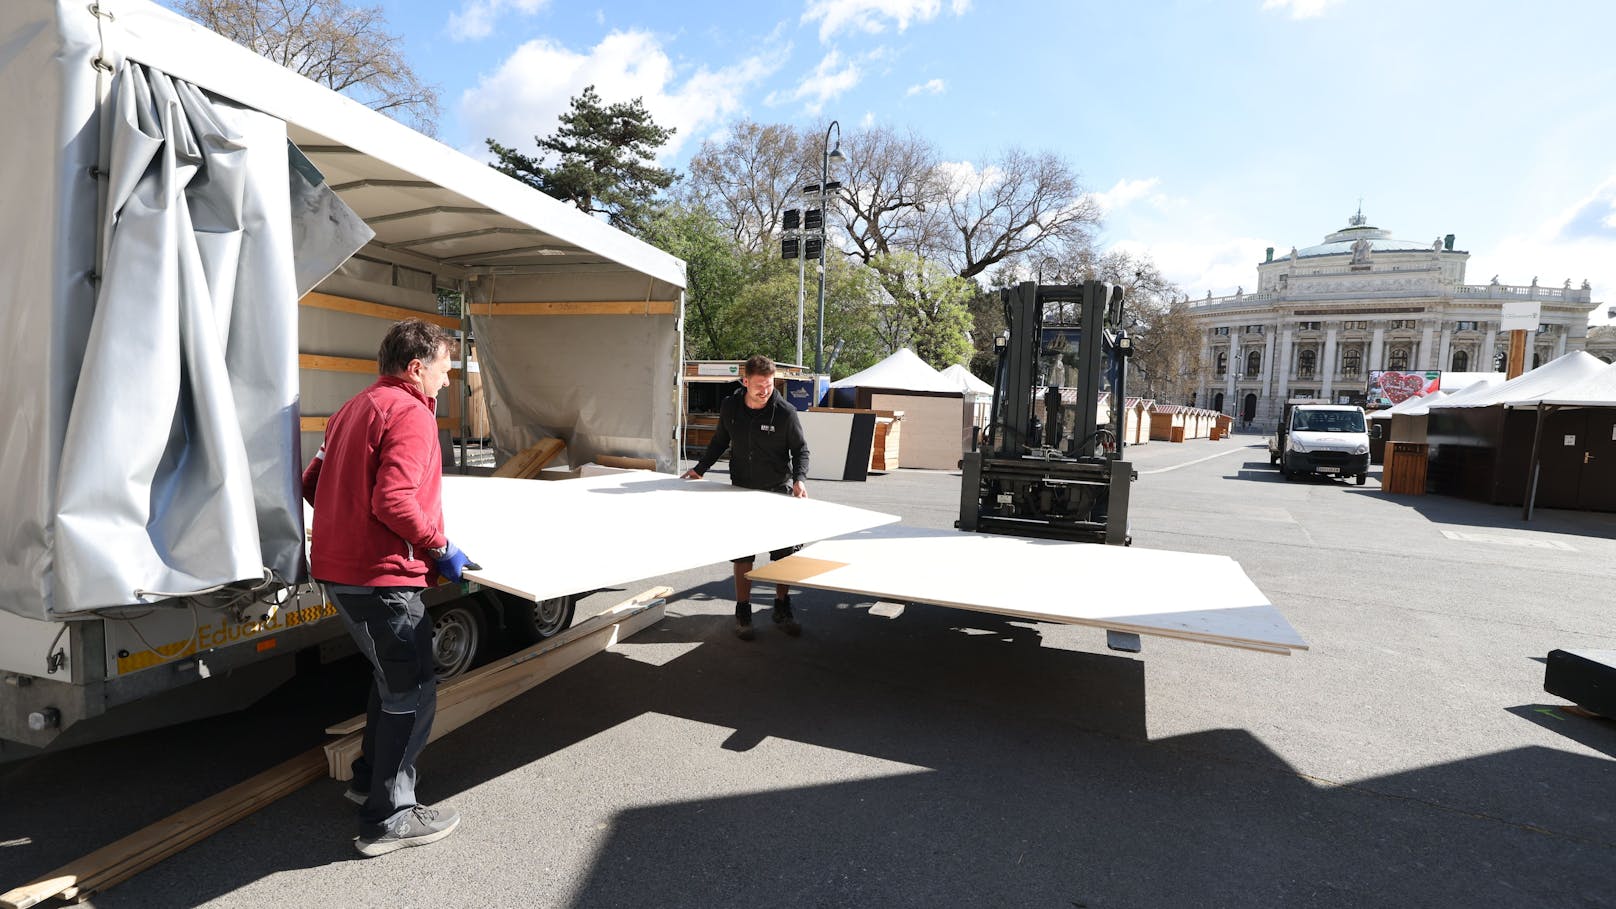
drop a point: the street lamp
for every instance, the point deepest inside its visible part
(824, 177)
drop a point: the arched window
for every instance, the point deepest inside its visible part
(1461, 361)
(1398, 358)
(1537, 360)
(1351, 361)
(1305, 362)
(1223, 363)
(1254, 364)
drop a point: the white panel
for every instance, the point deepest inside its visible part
(546, 539)
(1174, 594)
(934, 429)
(827, 435)
(24, 644)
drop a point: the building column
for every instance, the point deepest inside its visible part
(1268, 363)
(1287, 356)
(1327, 364)
(1234, 370)
(1377, 350)
(1427, 347)
(1560, 343)
(1444, 359)
(1485, 363)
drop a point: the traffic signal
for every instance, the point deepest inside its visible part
(813, 219)
(814, 248)
(789, 248)
(791, 219)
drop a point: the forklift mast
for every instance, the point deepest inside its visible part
(1042, 474)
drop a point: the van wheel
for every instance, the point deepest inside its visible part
(459, 637)
(530, 622)
(1362, 479)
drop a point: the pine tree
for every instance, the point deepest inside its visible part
(602, 160)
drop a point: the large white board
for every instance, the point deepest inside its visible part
(541, 539)
(1145, 591)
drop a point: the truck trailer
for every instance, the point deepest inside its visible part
(201, 251)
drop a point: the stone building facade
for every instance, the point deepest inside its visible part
(1322, 318)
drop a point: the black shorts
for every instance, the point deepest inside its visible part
(775, 555)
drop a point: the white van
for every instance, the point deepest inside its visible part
(1328, 439)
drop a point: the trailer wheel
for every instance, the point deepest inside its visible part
(530, 622)
(459, 637)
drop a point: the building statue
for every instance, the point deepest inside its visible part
(1436, 245)
(1495, 281)
(1586, 285)
(1293, 254)
(1360, 251)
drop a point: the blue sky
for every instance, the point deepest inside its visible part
(1209, 129)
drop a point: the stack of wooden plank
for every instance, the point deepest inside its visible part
(529, 461)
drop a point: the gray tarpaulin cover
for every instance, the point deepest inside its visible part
(178, 463)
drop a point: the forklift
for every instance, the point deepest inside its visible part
(1048, 476)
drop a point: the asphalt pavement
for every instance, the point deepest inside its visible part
(948, 758)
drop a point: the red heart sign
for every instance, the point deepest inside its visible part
(1400, 386)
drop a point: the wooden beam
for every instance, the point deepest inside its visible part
(124, 858)
(469, 697)
(336, 303)
(625, 463)
(529, 461)
(578, 308)
(322, 363)
(1517, 355)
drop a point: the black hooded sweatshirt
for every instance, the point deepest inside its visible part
(766, 446)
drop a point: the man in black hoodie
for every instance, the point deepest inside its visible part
(767, 451)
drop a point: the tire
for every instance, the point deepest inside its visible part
(1273, 459)
(1361, 479)
(459, 637)
(529, 622)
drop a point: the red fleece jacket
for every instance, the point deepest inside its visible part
(376, 487)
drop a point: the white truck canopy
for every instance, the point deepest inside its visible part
(152, 258)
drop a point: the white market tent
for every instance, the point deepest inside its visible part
(1526, 389)
(936, 416)
(1598, 390)
(967, 381)
(902, 371)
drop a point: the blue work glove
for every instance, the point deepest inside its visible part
(453, 562)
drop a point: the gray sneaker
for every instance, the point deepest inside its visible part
(421, 825)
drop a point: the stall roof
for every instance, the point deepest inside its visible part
(903, 371)
(966, 380)
(1526, 389)
(1598, 390)
(427, 202)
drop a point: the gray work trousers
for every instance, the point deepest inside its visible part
(390, 626)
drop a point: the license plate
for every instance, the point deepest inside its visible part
(1329, 470)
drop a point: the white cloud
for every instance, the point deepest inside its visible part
(929, 87)
(1301, 9)
(828, 81)
(1126, 192)
(1197, 266)
(475, 19)
(523, 97)
(872, 16)
(1575, 244)
(868, 120)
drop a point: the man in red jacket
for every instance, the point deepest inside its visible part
(377, 537)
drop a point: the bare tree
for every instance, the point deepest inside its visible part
(345, 48)
(1012, 206)
(749, 179)
(891, 194)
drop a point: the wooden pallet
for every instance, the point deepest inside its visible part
(529, 461)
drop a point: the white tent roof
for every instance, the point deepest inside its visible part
(1417, 403)
(1526, 389)
(422, 198)
(1598, 390)
(967, 381)
(903, 371)
(1454, 382)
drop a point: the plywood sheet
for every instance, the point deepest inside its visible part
(1172, 594)
(935, 431)
(542, 540)
(838, 444)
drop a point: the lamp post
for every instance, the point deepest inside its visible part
(824, 177)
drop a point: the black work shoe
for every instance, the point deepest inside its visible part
(421, 825)
(784, 619)
(743, 621)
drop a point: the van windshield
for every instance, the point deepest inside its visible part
(1327, 421)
